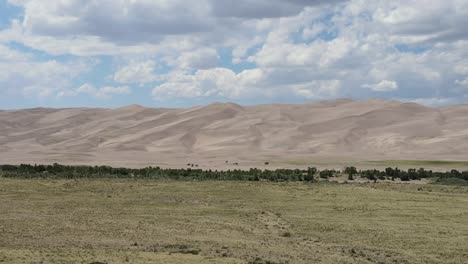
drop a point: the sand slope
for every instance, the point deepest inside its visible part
(209, 135)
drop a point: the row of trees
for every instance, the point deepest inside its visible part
(308, 175)
(412, 174)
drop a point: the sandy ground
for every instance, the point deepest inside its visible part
(329, 134)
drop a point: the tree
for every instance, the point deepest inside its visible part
(389, 172)
(413, 174)
(422, 173)
(404, 176)
(325, 174)
(455, 174)
(370, 175)
(310, 174)
(350, 171)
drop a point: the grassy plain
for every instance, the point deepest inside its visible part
(145, 221)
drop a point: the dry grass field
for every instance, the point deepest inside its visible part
(144, 221)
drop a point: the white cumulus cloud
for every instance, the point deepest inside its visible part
(383, 86)
(137, 72)
(100, 93)
(253, 50)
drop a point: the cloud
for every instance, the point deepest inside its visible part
(108, 91)
(461, 68)
(8, 54)
(118, 21)
(244, 50)
(318, 89)
(202, 58)
(434, 101)
(463, 82)
(383, 86)
(262, 8)
(418, 22)
(137, 72)
(100, 93)
(143, 21)
(248, 84)
(126, 26)
(216, 82)
(21, 74)
(198, 59)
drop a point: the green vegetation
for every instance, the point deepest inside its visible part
(58, 171)
(325, 174)
(351, 171)
(86, 220)
(429, 164)
(418, 163)
(451, 181)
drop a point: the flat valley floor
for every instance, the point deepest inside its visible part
(145, 221)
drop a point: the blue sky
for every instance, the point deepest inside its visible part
(181, 53)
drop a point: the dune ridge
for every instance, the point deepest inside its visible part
(339, 130)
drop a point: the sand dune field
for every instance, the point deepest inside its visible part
(220, 134)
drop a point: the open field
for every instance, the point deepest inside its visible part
(147, 221)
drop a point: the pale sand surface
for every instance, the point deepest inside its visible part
(328, 134)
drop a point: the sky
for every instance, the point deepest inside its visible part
(178, 53)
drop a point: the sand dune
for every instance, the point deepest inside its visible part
(340, 130)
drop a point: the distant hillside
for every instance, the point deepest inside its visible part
(335, 131)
